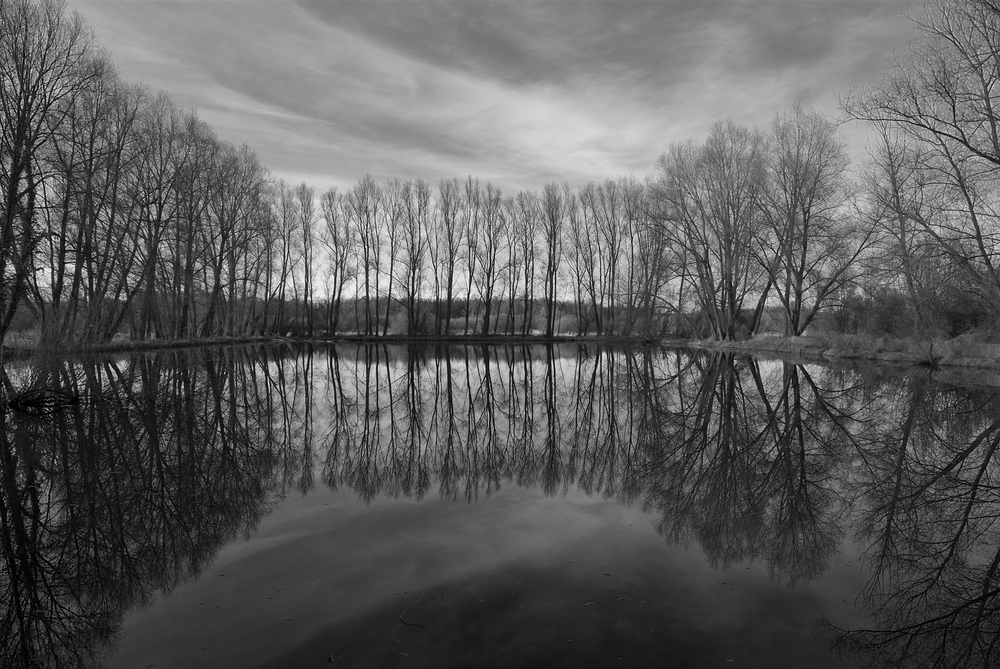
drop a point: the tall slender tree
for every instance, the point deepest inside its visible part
(47, 60)
(709, 197)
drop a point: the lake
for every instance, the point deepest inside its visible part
(373, 506)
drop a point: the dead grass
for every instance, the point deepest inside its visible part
(959, 352)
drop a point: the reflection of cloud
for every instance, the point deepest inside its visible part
(508, 577)
(516, 92)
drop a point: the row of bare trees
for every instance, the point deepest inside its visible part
(748, 228)
(122, 213)
(743, 221)
(464, 257)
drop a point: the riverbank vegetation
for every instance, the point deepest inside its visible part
(962, 352)
(125, 217)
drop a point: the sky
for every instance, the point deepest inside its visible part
(517, 92)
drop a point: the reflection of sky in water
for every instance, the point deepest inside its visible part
(519, 577)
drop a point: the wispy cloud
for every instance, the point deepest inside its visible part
(517, 92)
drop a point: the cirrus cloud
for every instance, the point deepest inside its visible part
(516, 92)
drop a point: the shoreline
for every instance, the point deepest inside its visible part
(23, 351)
(961, 353)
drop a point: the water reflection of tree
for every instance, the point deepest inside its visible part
(745, 462)
(741, 462)
(764, 461)
(165, 457)
(130, 490)
(929, 508)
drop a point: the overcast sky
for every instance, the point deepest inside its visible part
(518, 92)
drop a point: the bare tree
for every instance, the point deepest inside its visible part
(339, 237)
(603, 206)
(453, 235)
(554, 206)
(364, 204)
(525, 215)
(47, 59)
(192, 191)
(490, 259)
(161, 139)
(585, 261)
(233, 227)
(472, 223)
(287, 241)
(417, 208)
(529, 224)
(709, 199)
(306, 195)
(903, 254)
(650, 260)
(814, 237)
(514, 262)
(434, 234)
(96, 151)
(391, 229)
(942, 96)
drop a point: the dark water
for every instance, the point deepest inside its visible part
(371, 507)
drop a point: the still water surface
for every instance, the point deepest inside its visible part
(547, 506)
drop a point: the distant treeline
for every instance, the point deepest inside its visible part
(122, 214)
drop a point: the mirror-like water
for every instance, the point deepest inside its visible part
(548, 506)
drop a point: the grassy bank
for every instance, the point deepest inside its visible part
(961, 352)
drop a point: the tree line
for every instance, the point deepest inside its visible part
(124, 214)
